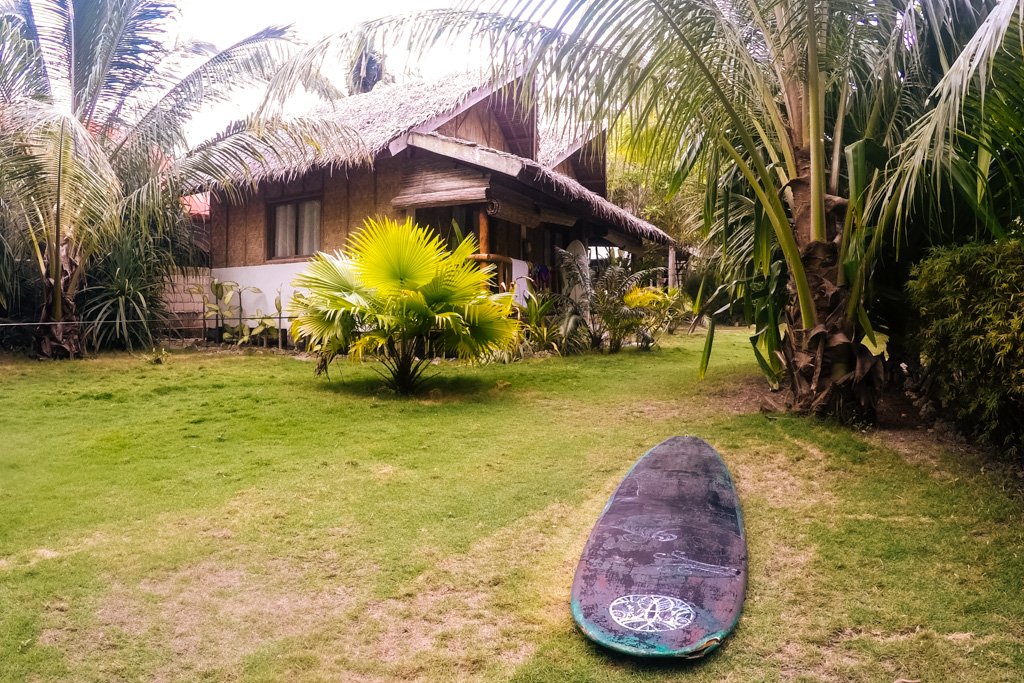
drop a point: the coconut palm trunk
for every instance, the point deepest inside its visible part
(60, 330)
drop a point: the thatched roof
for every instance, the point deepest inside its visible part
(390, 111)
(558, 142)
(350, 132)
(540, 177)
(389, 117)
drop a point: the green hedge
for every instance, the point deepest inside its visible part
(971, 338)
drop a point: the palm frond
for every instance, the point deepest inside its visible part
(395, 257)
(961, 109)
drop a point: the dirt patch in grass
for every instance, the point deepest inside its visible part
(781, 579)
(959, 639)
(737, 398)
(917, 446)
(461, 616)
(781, 480)
(773, 481)
(385, 472)
(921, 442)
(205, 618)
(784, 567)
(859, 654)
(37, 555)
(733, 398)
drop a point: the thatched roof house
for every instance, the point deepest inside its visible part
(459, 150)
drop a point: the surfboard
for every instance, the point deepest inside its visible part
(664, 572)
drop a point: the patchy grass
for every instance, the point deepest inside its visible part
(229, 517)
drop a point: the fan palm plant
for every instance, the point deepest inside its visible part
(538, 322)
(95, 105)
(400, 295)
(786, 112)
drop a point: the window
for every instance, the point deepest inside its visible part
(450, 222)
(295, 228)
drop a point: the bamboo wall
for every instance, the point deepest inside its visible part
(239, 231)
(184, 305)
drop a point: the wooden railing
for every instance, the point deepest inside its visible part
(503, 271)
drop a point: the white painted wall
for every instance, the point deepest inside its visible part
(267, 278)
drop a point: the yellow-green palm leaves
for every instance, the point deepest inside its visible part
(400, 293)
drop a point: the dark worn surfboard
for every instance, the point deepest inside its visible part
(664, 572)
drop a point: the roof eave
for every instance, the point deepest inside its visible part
(533, 174)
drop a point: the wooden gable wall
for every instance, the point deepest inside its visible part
(478, 124)
(567, 168)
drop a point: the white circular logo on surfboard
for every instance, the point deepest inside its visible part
(650, 613)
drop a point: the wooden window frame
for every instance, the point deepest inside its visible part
(271, 232)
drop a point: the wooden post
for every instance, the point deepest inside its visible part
(484, 223)
(672, 267)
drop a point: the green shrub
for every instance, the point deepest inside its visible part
(971, 338)
(125, 296)
(599, 306)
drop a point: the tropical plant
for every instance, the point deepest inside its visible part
(125, 294)
(970, 303)
(217, 296)
(968, 141)
(398, 294)
(785, 113)
(680, 312)
(761, 300)
(368, 67)
(537, 317)
(240, 332)
(653, 196)
(123, 299)
(598, 304)
(265, 327)
(655, 309)
(96, 102)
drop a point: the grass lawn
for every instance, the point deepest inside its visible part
(229, 517)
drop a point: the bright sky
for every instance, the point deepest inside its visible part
(223, 22)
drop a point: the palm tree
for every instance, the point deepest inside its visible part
(399, 294)
(786, 112)
(970, 138)
(96, 101)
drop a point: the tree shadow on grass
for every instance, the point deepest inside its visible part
(436, 390)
